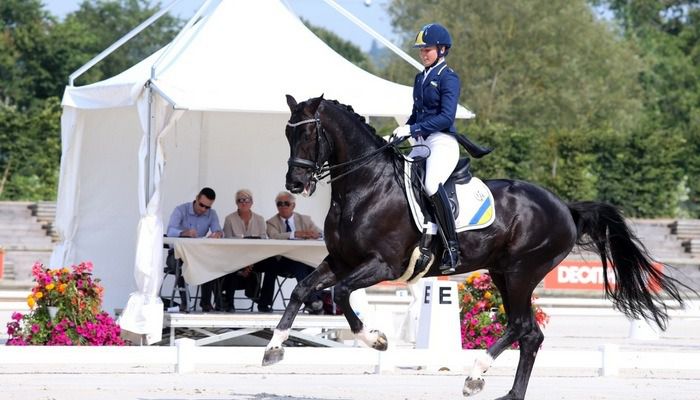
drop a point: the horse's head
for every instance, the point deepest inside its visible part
(306, 155)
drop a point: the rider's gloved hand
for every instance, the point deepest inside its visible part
(402, 131)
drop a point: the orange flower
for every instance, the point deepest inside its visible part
(487, 295)
(62, 288)
(39, 295)
(50, 286)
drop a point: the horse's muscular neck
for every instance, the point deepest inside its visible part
(353, 143)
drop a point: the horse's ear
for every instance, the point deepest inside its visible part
(291, 102)
(313, 103)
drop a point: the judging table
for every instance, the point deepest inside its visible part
(205, 259)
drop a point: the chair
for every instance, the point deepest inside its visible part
(251, 291)
(281, 279)
(173, 266)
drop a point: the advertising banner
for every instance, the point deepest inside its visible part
(580, 275)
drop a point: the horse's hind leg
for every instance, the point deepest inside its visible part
(474, 382)
(321, 278)
(517, 299)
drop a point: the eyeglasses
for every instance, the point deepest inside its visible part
(244, 200)
(283, 204)
(203, 205)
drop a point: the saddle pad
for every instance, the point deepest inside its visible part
(476, 205)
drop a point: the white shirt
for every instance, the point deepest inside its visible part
(291, 225)
(427, 71)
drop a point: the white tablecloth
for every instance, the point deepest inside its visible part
(207, 259)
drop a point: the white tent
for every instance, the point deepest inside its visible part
(206, 110)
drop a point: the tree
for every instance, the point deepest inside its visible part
(37, 54)
(29, 151)
(24, 44)
(343, 47)
(590, 108)
(667, 37)
(536, 64)
(105, 21)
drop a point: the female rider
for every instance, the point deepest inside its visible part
(432, 124)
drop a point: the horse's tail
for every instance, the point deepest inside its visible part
(638, 283)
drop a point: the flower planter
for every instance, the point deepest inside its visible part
(78, 295)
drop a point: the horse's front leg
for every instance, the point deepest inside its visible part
(320, 279)
(364, 276)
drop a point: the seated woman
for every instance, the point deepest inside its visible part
(242, 223)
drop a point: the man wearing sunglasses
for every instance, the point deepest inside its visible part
(195, 219)
(287, 224)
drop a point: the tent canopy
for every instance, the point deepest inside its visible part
(209, 109)
(216, 66)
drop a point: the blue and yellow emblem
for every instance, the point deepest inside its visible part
(419, 39)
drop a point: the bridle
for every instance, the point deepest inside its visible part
(319, 172)
(301, 162)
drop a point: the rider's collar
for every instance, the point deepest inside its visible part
(437, 62)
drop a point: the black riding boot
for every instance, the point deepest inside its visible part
(446, 221)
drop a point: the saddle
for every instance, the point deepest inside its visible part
(471, 202)
(470, 199)
(462, 174)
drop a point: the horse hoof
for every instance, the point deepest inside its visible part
(472, 386)
(273, 356)
(381, 343)
(510, 396)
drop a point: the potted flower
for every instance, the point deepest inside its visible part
(482, 314)
(65, 309)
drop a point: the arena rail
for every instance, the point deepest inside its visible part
(185, 357)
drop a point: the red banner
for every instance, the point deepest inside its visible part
(581, 275)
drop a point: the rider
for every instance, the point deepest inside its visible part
(432, 124)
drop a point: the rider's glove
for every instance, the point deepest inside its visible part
(402, 131)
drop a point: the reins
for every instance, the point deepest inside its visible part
(320, 172)
(323, 171)
(326, 169)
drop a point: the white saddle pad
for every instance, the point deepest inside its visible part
(476, 205)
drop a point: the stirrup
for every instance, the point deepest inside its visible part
(446, 265)
(447, 269)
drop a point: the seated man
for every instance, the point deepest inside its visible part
(287, 224)
(195, 219)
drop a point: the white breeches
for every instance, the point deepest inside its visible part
(442, 158)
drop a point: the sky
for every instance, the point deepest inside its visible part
(371, 12)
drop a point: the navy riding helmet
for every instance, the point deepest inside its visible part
(433, 35)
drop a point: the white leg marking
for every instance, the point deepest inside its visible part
(369, 338)
(481, 364)
(278, 338)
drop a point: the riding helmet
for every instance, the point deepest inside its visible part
(433, 35)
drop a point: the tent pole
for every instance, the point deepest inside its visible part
(109, 50)
(347, 14)
(149, 154)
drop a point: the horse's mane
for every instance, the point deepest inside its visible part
(359, 118)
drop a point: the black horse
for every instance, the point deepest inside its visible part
(370, 237)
